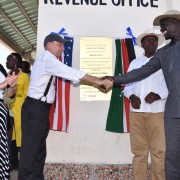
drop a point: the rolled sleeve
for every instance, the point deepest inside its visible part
(56, 68)
(138, 74)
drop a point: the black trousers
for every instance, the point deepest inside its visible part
(35, 129)
(13, 150)
(172, 157)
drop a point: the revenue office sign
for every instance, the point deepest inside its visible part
(134, 3)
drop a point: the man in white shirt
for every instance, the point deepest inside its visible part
(35, 110)
(147, 98)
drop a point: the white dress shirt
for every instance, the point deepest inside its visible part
(154, 83)
(2, 79)
(45, 66)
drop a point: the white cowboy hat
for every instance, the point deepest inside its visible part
(150, 32)
(167, 14)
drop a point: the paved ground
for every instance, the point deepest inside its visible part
(14, 175)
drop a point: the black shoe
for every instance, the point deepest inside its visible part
(12, 168)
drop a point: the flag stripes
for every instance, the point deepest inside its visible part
(59, 112)
(118, 115)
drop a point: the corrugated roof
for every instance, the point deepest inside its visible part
(18, 23)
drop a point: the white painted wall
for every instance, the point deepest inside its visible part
(5, 50)
(87, 140)
(175, 4)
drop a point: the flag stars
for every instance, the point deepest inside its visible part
(68, 51)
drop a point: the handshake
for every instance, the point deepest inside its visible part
(105, 83)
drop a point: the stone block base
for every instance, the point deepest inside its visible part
(89, 172)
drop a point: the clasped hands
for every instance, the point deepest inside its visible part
(150, 98)
(105, 83)
(11, 79)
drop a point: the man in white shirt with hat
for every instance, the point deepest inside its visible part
(166, 58)
(147, 98)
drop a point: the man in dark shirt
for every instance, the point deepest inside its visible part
(167, 58)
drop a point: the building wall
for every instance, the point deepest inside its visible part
(87, 140)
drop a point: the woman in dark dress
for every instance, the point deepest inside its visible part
(10, 82)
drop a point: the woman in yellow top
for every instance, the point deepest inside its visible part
(14, 63)
(21, 93)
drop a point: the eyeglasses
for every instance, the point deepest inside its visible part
(168, 21)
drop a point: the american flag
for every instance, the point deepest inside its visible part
(59, 112)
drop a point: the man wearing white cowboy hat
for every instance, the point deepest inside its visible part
(167, 58)
(147, 98)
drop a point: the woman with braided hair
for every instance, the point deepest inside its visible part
(14, 63)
